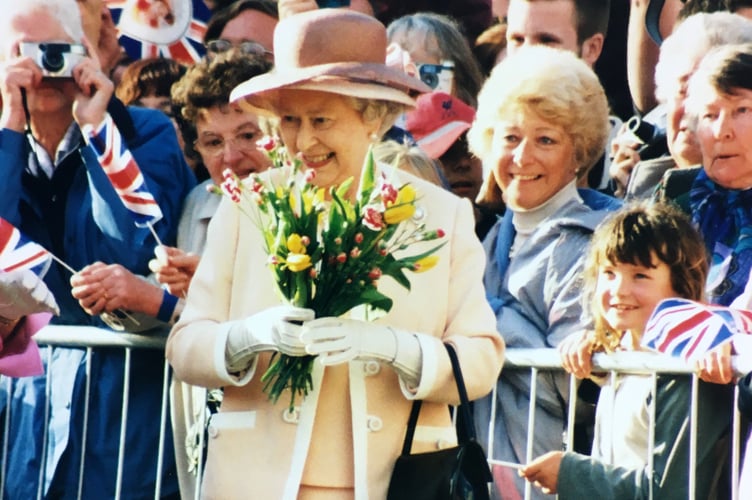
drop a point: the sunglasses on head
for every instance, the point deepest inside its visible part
(247, 47)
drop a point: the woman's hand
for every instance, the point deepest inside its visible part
(715, 366)
(543, 472)
(576, 353)
(174, 269)
(16, 74)
(103, 287)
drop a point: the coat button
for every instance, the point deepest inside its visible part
(291, 416)
(375, 424)
(372, 368)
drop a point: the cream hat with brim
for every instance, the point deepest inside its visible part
(330, 50)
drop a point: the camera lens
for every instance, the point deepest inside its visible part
(429, 77)
(53, 60)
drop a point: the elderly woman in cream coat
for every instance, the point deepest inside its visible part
(334, 96)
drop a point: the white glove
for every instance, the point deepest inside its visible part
(269, 330)
(22, 292)
(339, 340)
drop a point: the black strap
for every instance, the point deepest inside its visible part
(465, 429)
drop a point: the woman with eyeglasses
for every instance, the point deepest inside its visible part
(247, 25)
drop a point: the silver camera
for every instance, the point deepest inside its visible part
(57, 60)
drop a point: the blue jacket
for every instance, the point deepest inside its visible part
(78, 216)
(537, 300)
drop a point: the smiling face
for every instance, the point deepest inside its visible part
(462, 170)
(326, 132)
(724, 130)
(226, 138)
(627, 294)
(532, 159)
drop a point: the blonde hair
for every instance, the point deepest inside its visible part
(411, 159)
(552, 84)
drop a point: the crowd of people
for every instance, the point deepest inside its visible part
(568, 204)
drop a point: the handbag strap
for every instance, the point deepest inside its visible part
(465, 429)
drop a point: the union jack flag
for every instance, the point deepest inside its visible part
(688, 329)
(19, 252)
(122, 170)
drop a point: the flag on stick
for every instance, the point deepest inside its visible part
(688, 329)
(19, 252)
(122, 170)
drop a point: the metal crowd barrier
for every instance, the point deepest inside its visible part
(534, 360)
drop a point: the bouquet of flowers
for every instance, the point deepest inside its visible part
(329, 256)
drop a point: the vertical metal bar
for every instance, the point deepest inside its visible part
(85, 430)
(123, 422)
(736, 437)
(6, 433)
(693, 437)
(531, 425)
(651, 434)
(492, 423)
(46, 430)
(202, 428)
(162, 421)
(571, 412)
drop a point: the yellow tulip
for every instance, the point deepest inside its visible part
(403, 207)
(295, 244)
(297, 262)
(425, 263)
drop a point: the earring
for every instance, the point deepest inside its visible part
(374, 137)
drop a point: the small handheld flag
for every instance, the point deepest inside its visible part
(688, 329)
(19, 252)
(122, 171)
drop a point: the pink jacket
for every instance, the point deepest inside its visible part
(349, 432)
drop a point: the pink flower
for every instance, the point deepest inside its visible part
(358, 238)
(305, 240)
(374, 274)
(256, 186)
(355, 252)
(372, 218)
(341, 257)
(267, 143)
(312, 273)
(309, 175)
(388, 193)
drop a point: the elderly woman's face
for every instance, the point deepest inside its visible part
(532, 159)
(226, 138)
(680, 134)
(724, 129)
(326, 132)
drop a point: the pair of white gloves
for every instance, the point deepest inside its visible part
(294, 331)
(22, 292)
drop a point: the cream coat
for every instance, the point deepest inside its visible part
(351, 436)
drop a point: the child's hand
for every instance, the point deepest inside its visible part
(576, 353)
(715, 366)
(543, 472)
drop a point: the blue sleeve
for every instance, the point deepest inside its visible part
(12, 165)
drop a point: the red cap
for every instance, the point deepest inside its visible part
(437, 121)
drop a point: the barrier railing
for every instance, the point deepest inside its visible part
(535, 360)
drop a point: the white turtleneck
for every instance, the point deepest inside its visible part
(525, 221)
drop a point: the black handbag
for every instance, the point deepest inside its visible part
(459, 473)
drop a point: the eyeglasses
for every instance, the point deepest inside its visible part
(250, 48)
(215, 145)
(430, 73)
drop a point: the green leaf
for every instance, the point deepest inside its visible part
(367, 179)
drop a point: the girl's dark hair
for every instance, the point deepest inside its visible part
(645, 234)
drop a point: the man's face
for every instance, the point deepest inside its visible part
(542, 22)
(251, 25)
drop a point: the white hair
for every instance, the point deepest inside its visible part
(65, 12)
(682, 51)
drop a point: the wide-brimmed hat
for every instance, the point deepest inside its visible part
(331, 50)
(437, 121)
